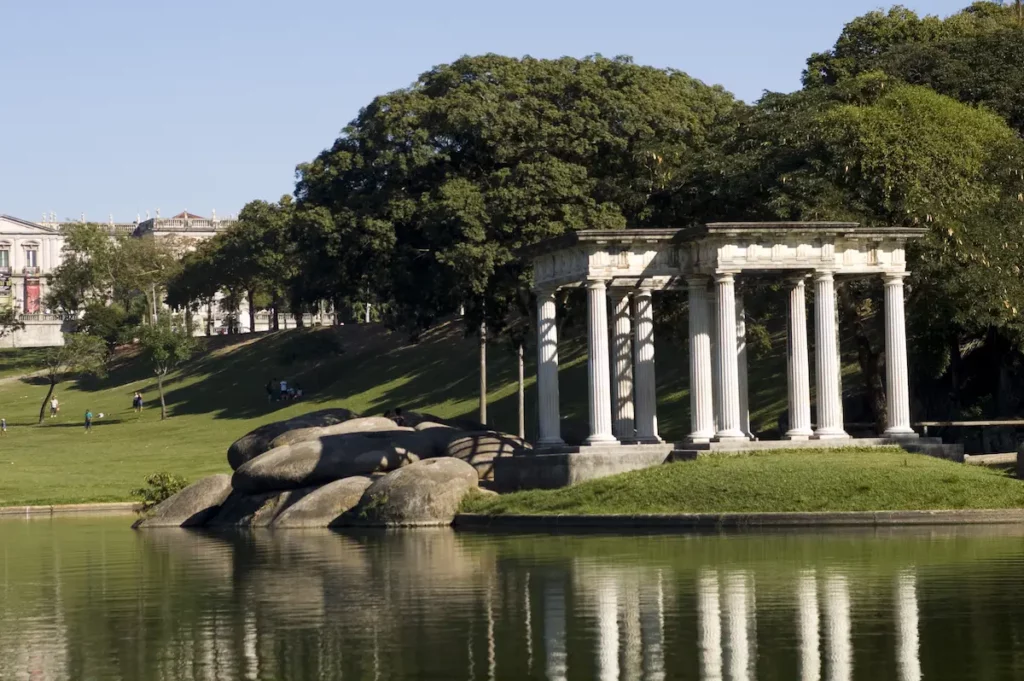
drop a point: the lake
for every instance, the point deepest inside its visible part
(87, 598)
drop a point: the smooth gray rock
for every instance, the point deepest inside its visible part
(481, 449)
(192, 506)
(324, 506)
(256, 510)
(253, 444)
(425, 493)
(317, 462)
(364, 424)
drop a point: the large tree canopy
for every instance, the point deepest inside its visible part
(432, 188)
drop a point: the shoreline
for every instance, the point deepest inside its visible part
(109, 508)
(738, 521)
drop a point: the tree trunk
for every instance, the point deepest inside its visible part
(188, 318)
(160, 387)
(209, 317)
(869, 359)
(152, 292)
(46, 400)
(252, 310)
(275, 311)
(522, 395)
(955, 372)
(483, 373)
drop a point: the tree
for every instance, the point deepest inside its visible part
(80, 354)
(10, 321)
(880, 152)
(165, 346)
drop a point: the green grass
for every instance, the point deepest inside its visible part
(782, 481)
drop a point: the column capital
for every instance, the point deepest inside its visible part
(643, 291)
(796, 278)
(698, 281)
(725, 277)
(894, 278)
(597, 284)
(824, 275)
(545, 291)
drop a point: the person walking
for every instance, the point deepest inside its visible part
(54, 407)
(141, 401)
(88, 420)
(3, 426)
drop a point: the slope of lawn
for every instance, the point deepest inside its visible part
(219, 396)
(886, 479)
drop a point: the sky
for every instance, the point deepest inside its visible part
(119, 107)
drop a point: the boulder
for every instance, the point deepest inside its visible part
(481, 449)
(374, 424)
(256, 510)
(253, 444)
(324, 506)
(424, 493)
(192, 506)
(317, 462)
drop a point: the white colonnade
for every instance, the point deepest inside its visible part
(622, 392)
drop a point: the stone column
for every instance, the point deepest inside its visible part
(799, 368)
(598, 365)
(897, 379)
(622, 367)
(645, 390)
(702, 406)
(547, 371)
(826, 338)
(741, 366)
(729, 427)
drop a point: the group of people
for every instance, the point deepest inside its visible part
(278, 391)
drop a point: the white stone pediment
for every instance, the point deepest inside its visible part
(17, 227)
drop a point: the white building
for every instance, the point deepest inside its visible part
(28, 252)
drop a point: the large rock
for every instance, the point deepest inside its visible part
(192, 506)
(255, 510)
(424, 493)
(253, 444)
(317, 462)
(365, 424)
(324, 506)
(481, 449)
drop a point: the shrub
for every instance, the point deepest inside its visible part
(159, 487)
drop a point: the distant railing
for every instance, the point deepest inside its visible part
(30, 270)
(43, 317)
(924, 425)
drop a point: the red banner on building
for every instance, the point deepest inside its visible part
(31, 296)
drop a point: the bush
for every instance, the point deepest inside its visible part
(159, 487)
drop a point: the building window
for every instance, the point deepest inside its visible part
(31, 257)
(5, 257)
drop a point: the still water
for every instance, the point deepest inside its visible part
(89, 599)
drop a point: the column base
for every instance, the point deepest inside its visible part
(650, 440)
(603, 440)
(731, 436)
(700, 438)
(901, 433)
(799, 434)
(837, 434)
(550, 442)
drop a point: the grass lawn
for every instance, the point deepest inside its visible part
(788, 480)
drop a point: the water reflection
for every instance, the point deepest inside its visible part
(175, 605)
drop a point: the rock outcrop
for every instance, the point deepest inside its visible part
(481, 449)
(425, 493)
(192, 506)
(324, 506)
(256, 510)
(257, 442)
(364, 424)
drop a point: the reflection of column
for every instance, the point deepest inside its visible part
(608, 631)
(810, 638)
(652, 631)
(492, 662)
(529, 623)
(907, 642)
(826, 339)
(598, 365)
(736, 622)
(741, 366)
(547, 370)
(645, 389)
(633, 654)
(622, 366)
(729, 413)
(710, 627)
(702, 392)
(837, 623)
(554, 631)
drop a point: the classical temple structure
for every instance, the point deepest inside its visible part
(623, 270)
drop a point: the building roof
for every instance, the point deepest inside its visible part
(28, 223)
(185, 215)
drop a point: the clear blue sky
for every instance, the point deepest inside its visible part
(124, 106)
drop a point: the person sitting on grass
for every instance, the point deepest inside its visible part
(88, 420)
